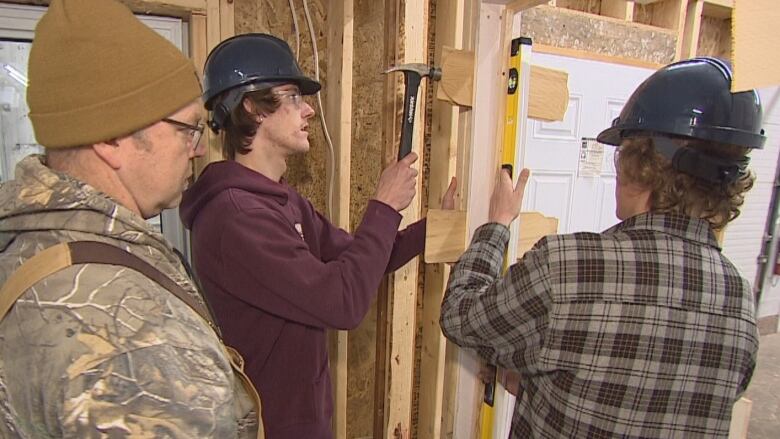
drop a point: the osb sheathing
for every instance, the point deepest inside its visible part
(715, 38)
(564, 28)
(366, 167)
(306, 173)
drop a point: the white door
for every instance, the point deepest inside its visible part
(572, 177)
(17, 25)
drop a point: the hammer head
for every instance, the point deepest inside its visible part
(418, 69)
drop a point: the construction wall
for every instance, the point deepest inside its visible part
(572, 25)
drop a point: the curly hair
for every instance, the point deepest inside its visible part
(638, 162)
(242, 126)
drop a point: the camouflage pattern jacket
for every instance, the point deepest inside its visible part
(100, 351)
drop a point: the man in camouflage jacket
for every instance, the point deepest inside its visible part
(96, 350)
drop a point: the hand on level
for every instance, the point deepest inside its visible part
(506, 199)
(398, 183)
(448, 200)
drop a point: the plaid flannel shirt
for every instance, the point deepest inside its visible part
(643, 331)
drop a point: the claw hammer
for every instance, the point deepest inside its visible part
(413, 74)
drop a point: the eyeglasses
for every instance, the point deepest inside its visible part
(195, 131)
(295, 97)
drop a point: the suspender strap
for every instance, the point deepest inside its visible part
(63, 255)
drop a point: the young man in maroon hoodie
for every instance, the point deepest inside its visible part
(277, 273)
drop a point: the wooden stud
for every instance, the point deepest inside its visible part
(402, 311)
(393, 102)
(690, 36)
(338, 114)
(199, 51)
(452, 23)
(227, 26)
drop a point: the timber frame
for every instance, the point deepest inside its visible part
(424, 386)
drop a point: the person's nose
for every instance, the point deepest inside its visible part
(200, 148)
(307, 111)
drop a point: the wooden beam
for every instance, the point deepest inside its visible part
(690, 36)
(452, 22)
(403, 308)
(516, 6)
(178, 8)
(199, 51)
(227, 26)
(338, 114)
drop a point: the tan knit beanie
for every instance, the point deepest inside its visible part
(97, 73)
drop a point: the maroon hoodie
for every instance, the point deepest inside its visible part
(278, 274)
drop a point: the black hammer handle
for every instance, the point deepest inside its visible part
(410, 105)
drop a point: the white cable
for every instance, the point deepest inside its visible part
(331, 155)
(297, 32)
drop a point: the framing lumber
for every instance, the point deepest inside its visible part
(690, 36)
(393, 104)
(338, 114)
(452, 31)
(403, 285)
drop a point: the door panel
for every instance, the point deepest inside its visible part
(560, 186)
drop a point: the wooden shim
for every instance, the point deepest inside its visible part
(445, 236)
(756, 60)
(533, 227)
(548, 94)
(457, 79)
(338, 115)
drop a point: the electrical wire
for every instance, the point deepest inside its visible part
(331, 155)
(295, 26)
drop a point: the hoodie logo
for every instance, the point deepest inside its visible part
(299, 229)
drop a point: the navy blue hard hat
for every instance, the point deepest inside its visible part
(691, 99)
(245, 63)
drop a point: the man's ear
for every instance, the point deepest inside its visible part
(111, 151)
(250, 108)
